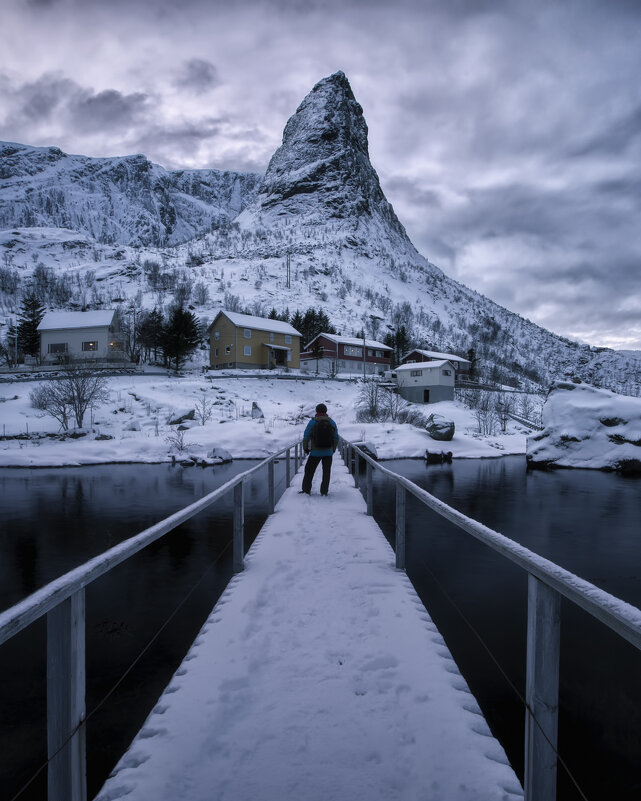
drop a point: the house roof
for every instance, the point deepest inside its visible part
(369, 343)
(423, 365)
(55, 321)
(258, 323)
(431, 354)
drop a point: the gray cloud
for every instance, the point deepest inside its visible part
(506, 133)
(108, 109)
(199, 75)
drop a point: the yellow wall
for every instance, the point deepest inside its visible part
(235, 339)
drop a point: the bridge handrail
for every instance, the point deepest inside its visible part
(547, 582)
(27, 611)
(621, 617)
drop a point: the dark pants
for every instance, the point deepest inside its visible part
(310, 468)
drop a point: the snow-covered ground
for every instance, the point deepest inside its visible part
(318, 676)
(140, 406)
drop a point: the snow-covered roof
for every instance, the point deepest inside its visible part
(423, 365)
(55, 321)
(369, 343)
(259, 323)
(431, 354)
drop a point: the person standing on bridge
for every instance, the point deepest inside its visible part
(320, 440)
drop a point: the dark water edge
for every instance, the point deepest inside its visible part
(586, 521)
(55, 519)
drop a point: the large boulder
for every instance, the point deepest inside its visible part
(589, 428)
(177, 418)
(219, 456)
(439, 427)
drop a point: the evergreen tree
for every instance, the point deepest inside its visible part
(401, 343)
(29, 319)
(471, 357)
(150, 333)
(180, 336)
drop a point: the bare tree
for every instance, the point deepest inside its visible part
(70, 395)
(204, 409)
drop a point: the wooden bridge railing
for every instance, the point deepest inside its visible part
(63, 602)
(547, 582)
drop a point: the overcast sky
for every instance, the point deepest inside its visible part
(506, 133)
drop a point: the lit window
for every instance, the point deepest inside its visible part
(351, 350)
(228, 349)
(91, 346)
(247, 350)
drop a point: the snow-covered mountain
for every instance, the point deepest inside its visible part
(127, 201)
(319, 205)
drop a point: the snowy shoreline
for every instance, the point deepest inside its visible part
(132, 426)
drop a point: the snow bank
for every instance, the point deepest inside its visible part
(588, 427)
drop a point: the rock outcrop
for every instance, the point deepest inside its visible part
(588, 427)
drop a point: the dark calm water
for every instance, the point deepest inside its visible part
(586, 521)
(55, 519)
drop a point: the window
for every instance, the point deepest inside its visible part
(93, 345)
(247, 350)
(116, 344)
(416, 372)
(216, 335)
(289, 355)
(271, 336)
(379, 354)
(351, 350)
(57, 347)
(215, 351)
(247, 333)
(447, 372)
(227, 349)
(288, 339)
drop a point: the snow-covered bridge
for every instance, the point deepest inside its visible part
(319, 675)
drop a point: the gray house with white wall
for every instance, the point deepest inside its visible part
(80, 336)
(425, 382)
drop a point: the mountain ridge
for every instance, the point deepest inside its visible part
(320, 205)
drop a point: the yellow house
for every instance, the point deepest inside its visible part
(252, 343)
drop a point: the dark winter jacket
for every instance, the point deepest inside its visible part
(308, 437)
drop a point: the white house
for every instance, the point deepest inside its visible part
(74, 336)
(425, 382)
(416, 355)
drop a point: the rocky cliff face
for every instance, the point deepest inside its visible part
(321, 175)
(127, 201)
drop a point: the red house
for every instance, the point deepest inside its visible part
(333, 354)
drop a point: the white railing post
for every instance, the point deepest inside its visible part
(542, 691)
(239, 528)
(400, 526)
(288, 469)
(66, 737)
(271, 502)
(370, 490)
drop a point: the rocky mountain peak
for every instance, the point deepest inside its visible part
(322, 171)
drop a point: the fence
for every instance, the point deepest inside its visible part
(547, 582)
(63, 602)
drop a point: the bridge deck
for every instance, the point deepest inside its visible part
(318, 676)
